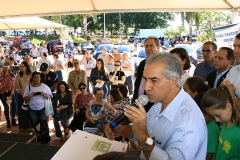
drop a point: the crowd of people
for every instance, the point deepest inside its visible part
(183, 108)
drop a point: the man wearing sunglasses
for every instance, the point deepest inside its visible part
(204, 68)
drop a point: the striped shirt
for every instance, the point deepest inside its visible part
(179, 132)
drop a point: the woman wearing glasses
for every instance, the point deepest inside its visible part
(117, 77)
(80, 106)
(99, 77)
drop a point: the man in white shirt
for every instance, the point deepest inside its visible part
(127, 68)
(174, 127)
(88, 63)
(34, 52)
(104, 56)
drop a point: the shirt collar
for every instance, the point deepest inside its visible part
(222, 72)
(171, 110)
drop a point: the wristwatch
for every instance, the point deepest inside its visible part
(148, 142)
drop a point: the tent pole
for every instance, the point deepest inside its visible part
(235, 16)
(104, 27)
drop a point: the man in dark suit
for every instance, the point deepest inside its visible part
(152, 46)
(223, 60)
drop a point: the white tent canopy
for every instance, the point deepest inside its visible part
(10, 8)
(27, 23)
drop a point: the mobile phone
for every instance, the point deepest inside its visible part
(37, 93)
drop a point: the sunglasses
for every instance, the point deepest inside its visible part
(116, 65)
(82, 88)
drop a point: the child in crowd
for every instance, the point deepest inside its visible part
(196, 88)
(220, 103)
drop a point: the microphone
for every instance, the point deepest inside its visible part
(143, 99)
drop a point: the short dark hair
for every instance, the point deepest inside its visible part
(81, 84)
(117, 156)
(97, 89)
(154, 38)
(115, 93)
(230, 55)
(214, 46)
(123, 90)
(33, 74)
(183, 54)
(55, 55)
(65, 85)
(237, 36)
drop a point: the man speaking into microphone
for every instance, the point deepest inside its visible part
(174, 127)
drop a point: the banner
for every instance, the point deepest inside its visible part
(225, 35)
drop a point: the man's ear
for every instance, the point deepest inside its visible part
(174, 82)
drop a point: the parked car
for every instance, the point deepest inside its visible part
(139, 57)
(191, 52)
(100, 48)
(40, 33)
(200, 55)
(194, 37)
(54, 46)
(132, 38)
(86, 46)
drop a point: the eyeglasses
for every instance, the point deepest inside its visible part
(116, 65)
(82, 88)
(207, 51)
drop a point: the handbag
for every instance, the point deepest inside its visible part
(48, 107)
(25, 105)
(90, 124)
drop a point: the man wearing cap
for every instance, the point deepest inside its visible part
(76, 77)
(44, 60)
(117, 56)
(88, 63)
(28, 60)
(48, 77)
(127, 68)
(104, 56)
(25, 51)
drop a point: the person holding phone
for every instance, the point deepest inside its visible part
(36, 93)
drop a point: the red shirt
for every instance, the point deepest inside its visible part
(6, 82)
(83, 100)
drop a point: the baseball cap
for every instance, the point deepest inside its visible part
(43, 67)
(110, 55)
(104, 48)
(115, 47)
(164, 47)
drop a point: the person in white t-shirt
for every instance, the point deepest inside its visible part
(88, 63)
(127, 68)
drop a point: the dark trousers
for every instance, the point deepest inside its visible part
(77, 122)
(23, 117)
(13, 107)
(60, 77)
(3, 98)
(129, 84)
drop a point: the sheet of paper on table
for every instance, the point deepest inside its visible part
(83, 145)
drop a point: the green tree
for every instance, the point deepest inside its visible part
(192, 18)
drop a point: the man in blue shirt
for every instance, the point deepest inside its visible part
(204, 68)
(174, 127)
(224, 58)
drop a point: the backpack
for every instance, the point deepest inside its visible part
(41, 131)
